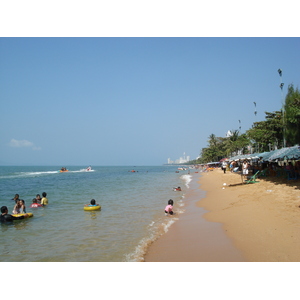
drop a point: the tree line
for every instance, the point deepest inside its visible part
(279, 129)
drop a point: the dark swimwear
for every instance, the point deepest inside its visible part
(9, 218)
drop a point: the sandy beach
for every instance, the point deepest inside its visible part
(228, 221)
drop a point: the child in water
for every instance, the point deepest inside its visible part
(93, 203)
(38, 198)
(35, 203)
(19, 208)
(169, 207)
(44, 200)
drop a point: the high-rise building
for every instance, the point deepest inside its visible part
(181, 160)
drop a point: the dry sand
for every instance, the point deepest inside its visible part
(257, 222)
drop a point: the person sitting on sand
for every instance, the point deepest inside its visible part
(6, 217)
(169, 207)
(35, 203)
(289, 167)
(44, 200)
(92, 203)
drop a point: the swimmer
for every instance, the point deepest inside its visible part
(177, 189)
(23, 207)
(35, 203)
(38, 198)
(16, 198)
(17, 207)
(92, 203)
(6, 217)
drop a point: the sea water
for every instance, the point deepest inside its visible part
(131, 217)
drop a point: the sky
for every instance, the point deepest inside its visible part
(138, 82)
(134, 101)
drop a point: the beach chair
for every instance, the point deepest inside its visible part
(264, 173)
(252, 179)
(291, 175)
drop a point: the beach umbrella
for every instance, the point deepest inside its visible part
(223, 159)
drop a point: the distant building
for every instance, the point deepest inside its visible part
(229, 133)
(181, 160)
(170, 161)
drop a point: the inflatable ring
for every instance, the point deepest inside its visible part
(96, 207)
(29, 215)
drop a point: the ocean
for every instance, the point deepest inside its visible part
(131, 217)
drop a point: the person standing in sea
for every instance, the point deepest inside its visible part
(44, 200)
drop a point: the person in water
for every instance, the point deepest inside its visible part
(23, 207)
(19, 208)
(169, 207)
(16, 198)
(35, 203)
(44, 200)
(92, 203)
(6, 217)
(38, 198)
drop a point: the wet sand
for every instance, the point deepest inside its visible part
(257, 222)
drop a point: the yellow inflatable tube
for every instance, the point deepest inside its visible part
(29, 215)
(96, 207)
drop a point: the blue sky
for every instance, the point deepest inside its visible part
(134, 101)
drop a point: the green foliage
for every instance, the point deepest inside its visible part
(267, 132)
(219, 147)
(292, 116)
(262, 135)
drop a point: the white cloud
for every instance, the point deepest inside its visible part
(22, 143)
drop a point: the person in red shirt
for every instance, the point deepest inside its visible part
(35, 204)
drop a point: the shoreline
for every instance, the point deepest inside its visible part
(234, 222)
(192, 238)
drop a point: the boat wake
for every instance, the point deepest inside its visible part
(82, 170)
(28, 174)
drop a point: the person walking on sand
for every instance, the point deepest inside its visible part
(245, 167)
(224, 166)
